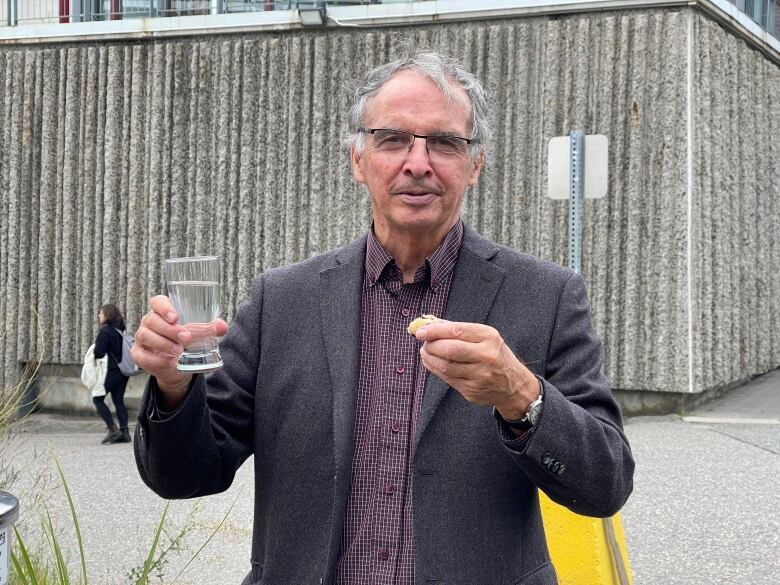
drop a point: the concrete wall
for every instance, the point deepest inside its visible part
(736, 210)
(59, 388)
(117, 155)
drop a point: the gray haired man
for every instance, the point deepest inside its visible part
(381, 457)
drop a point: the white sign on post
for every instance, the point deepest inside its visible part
(595, 181)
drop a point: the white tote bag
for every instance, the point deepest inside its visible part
(93, 372)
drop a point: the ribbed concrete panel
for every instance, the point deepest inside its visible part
(624, 76)
(117, 155)
(736, 210)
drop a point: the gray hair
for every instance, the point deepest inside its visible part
(440, 69)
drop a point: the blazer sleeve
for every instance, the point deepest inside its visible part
(577, 453)
(197, 449)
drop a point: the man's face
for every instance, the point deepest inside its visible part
(412, 191)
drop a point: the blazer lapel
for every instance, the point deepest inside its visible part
(340, 303)
(342, 287)
(475, 283)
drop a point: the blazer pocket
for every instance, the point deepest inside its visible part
(544, 574)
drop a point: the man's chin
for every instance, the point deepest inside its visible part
(424, 224)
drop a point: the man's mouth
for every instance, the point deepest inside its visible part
(417, 197)
(415, 192)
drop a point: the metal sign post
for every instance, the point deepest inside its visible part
(577, 154)
(573, 176)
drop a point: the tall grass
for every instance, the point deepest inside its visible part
(52, 568)
(47, 562)
(12, 401)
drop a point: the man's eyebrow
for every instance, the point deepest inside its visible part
(438, 134)
(441, 133)
(447, 134)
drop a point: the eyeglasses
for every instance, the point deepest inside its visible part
(397, 141)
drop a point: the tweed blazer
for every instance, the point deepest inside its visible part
(287, 396)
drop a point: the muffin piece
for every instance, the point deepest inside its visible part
(419, 322)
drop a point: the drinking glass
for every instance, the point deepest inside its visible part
(194, 287)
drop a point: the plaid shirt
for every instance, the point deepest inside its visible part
(377, 546)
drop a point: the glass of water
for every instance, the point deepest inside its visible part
(194, 287)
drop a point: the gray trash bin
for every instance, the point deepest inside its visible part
(9, 512)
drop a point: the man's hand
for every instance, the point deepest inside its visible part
(158, 344)
(473, 359)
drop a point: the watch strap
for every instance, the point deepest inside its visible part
(522, 424)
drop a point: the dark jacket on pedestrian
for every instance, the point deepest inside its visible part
(109, 342)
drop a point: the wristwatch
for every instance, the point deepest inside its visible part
(531, 416)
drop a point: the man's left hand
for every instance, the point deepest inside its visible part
(475, 361)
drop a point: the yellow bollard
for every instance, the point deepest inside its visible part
(585, 551)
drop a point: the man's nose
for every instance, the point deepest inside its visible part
(418, 161)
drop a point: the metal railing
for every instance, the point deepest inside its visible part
(13, 12)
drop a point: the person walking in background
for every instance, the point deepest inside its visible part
(109, 342)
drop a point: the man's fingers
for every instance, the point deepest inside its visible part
(455, 350)
(220, 328)
(162, 305)
(154, 327)
(470, 332)
(152, 341)
(443, 367)
(155, 362)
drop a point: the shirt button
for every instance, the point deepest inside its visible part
(384, 554)
(400, 369)
(389, 488)
(405, 312)
(395, 426)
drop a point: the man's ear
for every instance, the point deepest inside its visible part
(478, 162)
(356, 159)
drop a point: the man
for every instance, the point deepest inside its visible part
(381, 458)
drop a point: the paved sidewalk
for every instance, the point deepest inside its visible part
(118, 514)
(756, 402)
(705, 508)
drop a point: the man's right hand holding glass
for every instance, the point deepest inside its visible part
(158, 344)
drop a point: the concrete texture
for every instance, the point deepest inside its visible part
(704, 507)
(60, 390)
(736, 254)
(117, 155)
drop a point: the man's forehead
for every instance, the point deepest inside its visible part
(409, 80)
(409, 88)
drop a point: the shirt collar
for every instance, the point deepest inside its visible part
(440, 263)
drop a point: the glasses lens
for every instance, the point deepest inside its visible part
(448, 145)
(392, 140)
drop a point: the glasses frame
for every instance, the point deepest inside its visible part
(468, 141)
